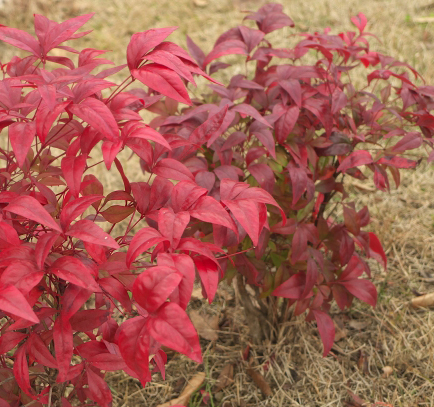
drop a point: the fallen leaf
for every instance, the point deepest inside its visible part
(200, 3)
(356, 401)
(387, 371)
(423, 301)
(206, 328)
(363, 362)
(225, 378)
(260, 382)
(340, 330)
(193, 385)
(358, 325)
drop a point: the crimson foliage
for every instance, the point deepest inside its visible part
(78, 299)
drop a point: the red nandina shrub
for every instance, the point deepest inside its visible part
(297, 130)
(78, 298)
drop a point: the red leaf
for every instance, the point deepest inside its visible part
(22, 274)
(185, 194)
(89, 319)
(360, 21)
(293, 87)
(410, 141)
(43, 246)
(163, 80)
(45, 117)
(21, 136)
(58, 33)
(184, 265)
(172, 169)
(88, 231)
(139, 130)
(209, 276)
(20, 39)
(143, 42)
(98, 115)
(142, 241)
(73, 168)
(264, 175)
(196, 246)
(29, 208)
(172, 327)
(107, 361)
(171, 61)
(13, 302)
(292, 288)
(209, 210)
(210, 129)
(362, 289)
(299, 180)
(172, 225)
(21, 370)
(72, 269)
(355, 159)
(246, 213)
(376, 248)
(117, 290)
(248, 110)
(110, 150)
(39, 351)
(99, 389)
(195, 51)
(75, 208)
(8, 236)
(72, 300)
(63, 345)
(8, 341)
(228, 47)
(284, 125)
(397, 162)
(311, 277)
(265, 136)
(117, 213)
(153, 287)
(134, 342)
(326, 330)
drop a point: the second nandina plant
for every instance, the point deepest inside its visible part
(249, 181)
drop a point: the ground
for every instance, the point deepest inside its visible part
(383, 356)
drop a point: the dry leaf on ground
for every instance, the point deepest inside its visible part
(423, 301)
(191, 387)
(225, 378)
(260, 382)
(358, 325)
(206, 328)
(387, 371)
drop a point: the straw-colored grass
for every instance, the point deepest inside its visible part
(393, 335)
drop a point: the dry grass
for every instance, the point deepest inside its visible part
(393, 334)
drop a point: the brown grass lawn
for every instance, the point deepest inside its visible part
(384, 356)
